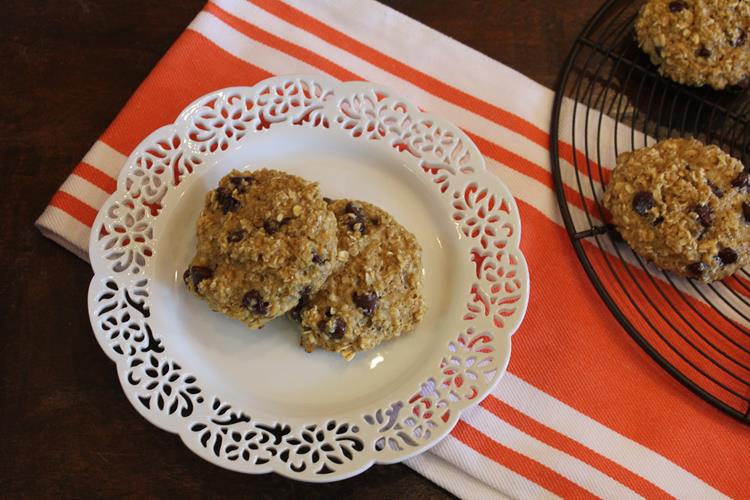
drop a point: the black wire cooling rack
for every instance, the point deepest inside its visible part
(612, 99)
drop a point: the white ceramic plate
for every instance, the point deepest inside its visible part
(254, 401)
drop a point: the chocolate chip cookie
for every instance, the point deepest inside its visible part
(375, 292)
(683, 205)
(697, 42)
(265, 238)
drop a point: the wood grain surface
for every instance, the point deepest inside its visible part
(67, 67)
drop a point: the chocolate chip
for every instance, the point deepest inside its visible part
(366, 301)
(357, 225)
(740, 181)
(226, 201)
(728, 256)
(697, 268)
(254, 301)
(358, 222)
(351, 208)
(271, 226)
(716, 190)
(335, 328)
(741, 39)
(200, 273)
(186, 276)
(237, 181)
(643, 201)
(236, 236)
(746, 211)
(676, 6)
(375, 221)
(703, 52)
(318, 259)
(658, 221)
(339, 329)
(327, 200)
(705, 215)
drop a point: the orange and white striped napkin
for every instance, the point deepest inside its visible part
(582, 411)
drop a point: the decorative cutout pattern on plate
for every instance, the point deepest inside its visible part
(318, 449)
(165, 392)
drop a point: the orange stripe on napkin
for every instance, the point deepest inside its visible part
(436, 87)
(194, 66)
(536, 172)
(739, 285)
(517, 462)
(601, 372)
(572, 448)
(492, 149)
(579, 161)
(74, 207)
(395, 67)
(96, 177)
(277, 43)
(677, 326)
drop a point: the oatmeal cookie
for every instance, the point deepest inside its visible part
(697, 42)
(357, 224)
(683, 205)
(264, 238)
(375, 292)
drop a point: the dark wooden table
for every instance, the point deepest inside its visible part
(67, 67)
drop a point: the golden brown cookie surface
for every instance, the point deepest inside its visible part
(264, 238)
(375, 292)
(684, 206)
(697, 42)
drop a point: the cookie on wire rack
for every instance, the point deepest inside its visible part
(697, 42)
(684, 206)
